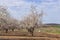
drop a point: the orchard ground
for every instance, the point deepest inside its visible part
(42, 33)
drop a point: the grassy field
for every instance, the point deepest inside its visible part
(53, 30)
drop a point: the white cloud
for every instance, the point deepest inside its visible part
(11, 2)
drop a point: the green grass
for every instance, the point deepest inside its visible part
(58, 26)
(55, 32)
(53, 29)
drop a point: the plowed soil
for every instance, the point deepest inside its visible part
(36, 36)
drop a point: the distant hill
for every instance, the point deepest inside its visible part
(52, 24)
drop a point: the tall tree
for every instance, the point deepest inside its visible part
(31, 21)
(4, 16)
(6, 21)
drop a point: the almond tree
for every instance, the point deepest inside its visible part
(31, 21)
(6, 21)
(4, 15)
(14, 24)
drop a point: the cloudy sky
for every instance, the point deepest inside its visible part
(19, 8)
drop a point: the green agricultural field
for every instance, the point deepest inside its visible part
(53, 29)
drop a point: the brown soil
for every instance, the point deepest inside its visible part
(36, 36)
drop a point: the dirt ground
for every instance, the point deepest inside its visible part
(17, 35)
(37, 36)
(26, 38)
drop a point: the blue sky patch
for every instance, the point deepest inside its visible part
(19, 8)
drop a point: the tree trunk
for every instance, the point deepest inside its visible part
(12, 29)
(6, 30)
